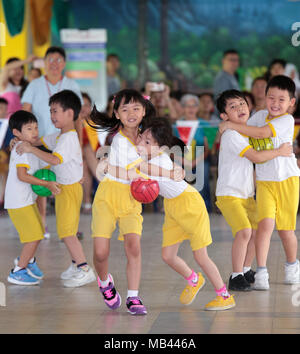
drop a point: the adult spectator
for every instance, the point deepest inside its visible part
(206, 108)
(36, 100)
(276, 67)
(258, 90)
(190, 104)
(114, 83)
(226, 79)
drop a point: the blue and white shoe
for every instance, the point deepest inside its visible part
(21, 277)
(32, 269)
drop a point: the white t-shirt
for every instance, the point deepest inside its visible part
(281, 167)
(37, 95)
(123, 153)
(67, 148)
(19, 194)
(168, 188)
(235, 172)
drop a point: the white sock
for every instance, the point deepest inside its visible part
(132, 293)
(31, 260)
(16, 269)
(233, 275)
(104, 283)
(246, 269)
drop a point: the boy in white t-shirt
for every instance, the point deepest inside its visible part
(20, 200)
(235, 186)
(277, 179)
(66, 163)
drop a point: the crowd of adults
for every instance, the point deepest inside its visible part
(32, 92)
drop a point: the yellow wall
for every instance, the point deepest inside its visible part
(16, 46)
(20, 45)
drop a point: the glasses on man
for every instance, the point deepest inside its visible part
(55, 60)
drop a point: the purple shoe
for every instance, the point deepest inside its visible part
(135, 306)
(111, 297)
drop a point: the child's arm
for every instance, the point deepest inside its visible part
(177, 173)
(254, 132)
(42, 155)
(27, 178)
(285, 149)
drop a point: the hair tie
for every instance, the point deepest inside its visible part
(114, 99)
(147, 98)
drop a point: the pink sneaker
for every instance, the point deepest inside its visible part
(135, 306)
(111, 297)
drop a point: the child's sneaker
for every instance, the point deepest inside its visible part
(261, 280)
(238, 283)
(70, 272)
(135, 306)
(189, 293)
(111, 297)
(32, 269)
(219, 303)
(83, 276)
(292, 273)
(21, 277)
(250, 276)
(47, 234)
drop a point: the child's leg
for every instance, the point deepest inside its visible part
(132, 245)
(250, 254)
(75, 249)
(169, 256)
(290, 244)
(239, 249)
(101, 254)
(208, 267)
(27, 253)
(262, 241)
(42, 206)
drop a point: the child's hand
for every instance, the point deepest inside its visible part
(285, 149)
(12, 143)
(23, 147)
(102, 168)
(132, 174)
(223, 126)
(54, 187)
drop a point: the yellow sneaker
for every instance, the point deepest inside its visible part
(189, 293)
(219, 303)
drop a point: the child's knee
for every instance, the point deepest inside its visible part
(167, 257)
(133, 247)
(101, 255)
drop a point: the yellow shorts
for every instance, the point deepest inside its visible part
(239, 213)
(186, 218)
(114, 203)
(28, 223)
(279, 201)
(67, 209)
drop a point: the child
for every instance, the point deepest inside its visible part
(66, 163)
(113, 200)
(235, 186)
(186, 218)
(277, 180)
(20, 200)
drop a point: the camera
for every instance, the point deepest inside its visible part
(157, 87)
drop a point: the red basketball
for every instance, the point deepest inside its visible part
(144, 191)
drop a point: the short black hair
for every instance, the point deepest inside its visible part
(161, 131)
(282, 82)
(20, 118)
(230, 51)
(3, 100)
(227, 95)
(67, 99)
(55, 49)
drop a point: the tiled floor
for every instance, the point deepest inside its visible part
(51, 308)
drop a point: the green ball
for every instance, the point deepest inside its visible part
(46, 175)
